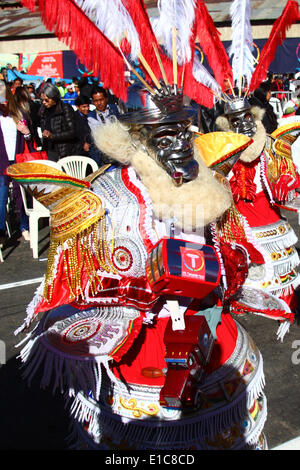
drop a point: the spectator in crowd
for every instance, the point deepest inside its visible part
(86, 85)
(277, 86)
(31, 91)
(261, 98)
(41, 86)
(4, 74)
(70, 95)
(83, 130)
(103, 110)
(286, 82)
(60, 88)
(77, 89)
(14, 132)
(102, 113)
(75, 82)
(16, 83)
(58, 124)
(31, 109)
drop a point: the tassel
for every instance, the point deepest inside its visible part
(210, 42)
(71, 26)
(288, 17)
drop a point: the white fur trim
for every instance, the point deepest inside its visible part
(259, 139)
(194, 204)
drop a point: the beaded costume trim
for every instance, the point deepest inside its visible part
(124, 410)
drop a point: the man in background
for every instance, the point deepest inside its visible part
(103, 113)
(83, 130)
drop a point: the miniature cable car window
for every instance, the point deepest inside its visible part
(191, 360)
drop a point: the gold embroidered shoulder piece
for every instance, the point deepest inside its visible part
(77, 229)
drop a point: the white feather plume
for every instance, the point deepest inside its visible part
(181, 15)
(202, 75)
(242, 42)
(113, 20)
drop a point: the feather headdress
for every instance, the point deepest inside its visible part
(242, 42)
(107, 35)
(288, 17)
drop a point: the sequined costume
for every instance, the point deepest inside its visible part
(114, 310)
(101, 338)
(263, 181)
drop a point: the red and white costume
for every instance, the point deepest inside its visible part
(101, 343)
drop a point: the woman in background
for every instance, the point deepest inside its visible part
(261, 98)
(58, 124)
(31, 110)
(14, 132)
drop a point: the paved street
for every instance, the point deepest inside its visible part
(35, 419)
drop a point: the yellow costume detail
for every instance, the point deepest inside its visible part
(78, 228)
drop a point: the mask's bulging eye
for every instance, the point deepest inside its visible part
(248, 117)
(235, 122)
(164, 143)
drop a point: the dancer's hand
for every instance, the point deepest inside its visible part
(284, 185)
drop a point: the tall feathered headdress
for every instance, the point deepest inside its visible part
(108, 35)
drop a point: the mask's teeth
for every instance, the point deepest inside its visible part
(177, 177)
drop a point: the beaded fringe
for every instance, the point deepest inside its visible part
(179, 432)
(86, 373)
(165, 434)
(84, 250)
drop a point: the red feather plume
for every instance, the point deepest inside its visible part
(68, 22)
(71, 26)
(195, 90)
(138, 13)
(211, 44)
(288, 17)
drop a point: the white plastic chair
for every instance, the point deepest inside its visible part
(35, 213)
(77, 165)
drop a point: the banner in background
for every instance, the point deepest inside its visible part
(44, 64)
(286, 59)
(73, 67)
(66, 65)
(12, 59)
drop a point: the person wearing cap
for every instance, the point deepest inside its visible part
(83, 132)
(70, 95)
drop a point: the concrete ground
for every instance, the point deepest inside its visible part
(35, 419)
